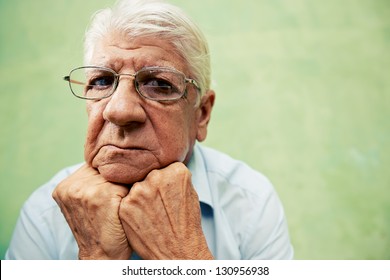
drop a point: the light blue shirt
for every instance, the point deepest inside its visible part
(242, 216)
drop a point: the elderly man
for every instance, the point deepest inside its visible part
(147, 189)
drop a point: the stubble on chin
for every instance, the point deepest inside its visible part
(124, 166)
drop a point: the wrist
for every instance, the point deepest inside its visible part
(102, 255)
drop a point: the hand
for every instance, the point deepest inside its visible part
(90, 205)
(161, 216)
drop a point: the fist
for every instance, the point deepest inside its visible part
(161, 216)
(90, 205)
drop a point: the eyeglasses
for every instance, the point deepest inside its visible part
(155, 83)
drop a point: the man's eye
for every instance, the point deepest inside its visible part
(158, 83)
(101, 82)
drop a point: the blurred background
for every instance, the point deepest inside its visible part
(302, 95)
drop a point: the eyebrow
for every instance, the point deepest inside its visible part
(138, 61)
(137, 65)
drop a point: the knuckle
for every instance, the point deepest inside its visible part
(181, 171)
(73, 192)
(138, 191)
(124, 207)
(136, 198)
(61, 191)
(154, 177)
(179, 168)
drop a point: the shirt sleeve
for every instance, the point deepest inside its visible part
(267, 234)
(41, 231)
(31, 239)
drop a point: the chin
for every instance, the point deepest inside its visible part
(120, 174)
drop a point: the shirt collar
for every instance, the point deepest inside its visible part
(200, 181)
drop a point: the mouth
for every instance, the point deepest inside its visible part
(116, 147)
(111, 153)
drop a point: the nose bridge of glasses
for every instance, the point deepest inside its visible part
(128, 83)
(118, 78)
(125, 74)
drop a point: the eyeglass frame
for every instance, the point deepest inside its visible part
(118, 75)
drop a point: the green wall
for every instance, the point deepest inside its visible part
(302, 95)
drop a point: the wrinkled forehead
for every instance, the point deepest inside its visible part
(117, 50)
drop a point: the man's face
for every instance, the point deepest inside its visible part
(128, 135)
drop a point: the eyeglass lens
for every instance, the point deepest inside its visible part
(153, 83)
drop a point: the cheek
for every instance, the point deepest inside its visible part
(95, 125)
(176, 134)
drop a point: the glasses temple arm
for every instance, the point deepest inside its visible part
(67, 78)
(193, 82)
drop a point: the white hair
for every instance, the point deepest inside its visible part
(146, 18)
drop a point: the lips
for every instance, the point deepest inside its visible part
(117, 147)
(113, 155)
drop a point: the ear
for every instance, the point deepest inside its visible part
(204, 114)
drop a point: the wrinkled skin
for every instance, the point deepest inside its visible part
(162, 216)
(135, 192)
(90, 204)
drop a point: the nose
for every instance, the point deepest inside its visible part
(124, 107)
